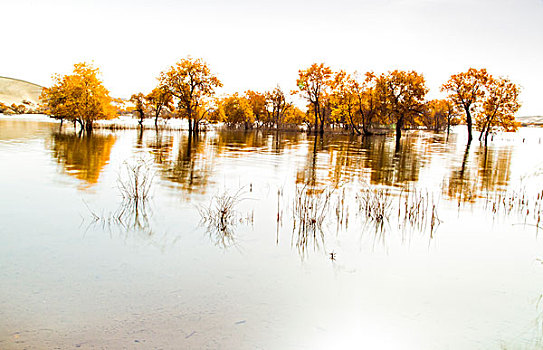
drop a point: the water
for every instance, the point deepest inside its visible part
(79, 272)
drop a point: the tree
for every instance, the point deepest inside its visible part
(467, 91)
(80, 97)
(344, 101)
(356, 97)
(138, 101)
(499, 107)
(314, 84)
(403, 94)
(236, 110)
(257, 101)
(440, 115)
(159, 101)
(192, 83)
(277, 106)
(294, 116)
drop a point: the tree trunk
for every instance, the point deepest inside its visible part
(399, 125)
(315, 110)
(190, 125)
(468, 121)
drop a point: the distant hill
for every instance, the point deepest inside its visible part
(531, 120)
(16, 91)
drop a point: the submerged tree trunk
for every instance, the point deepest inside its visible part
(190, 125)
(468, 122)
(353, 125)
(399, 125)
(316, 111)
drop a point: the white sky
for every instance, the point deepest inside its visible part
(258, 44)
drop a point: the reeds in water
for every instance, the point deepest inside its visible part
(221, 217)
(134, 182)
(309, 211)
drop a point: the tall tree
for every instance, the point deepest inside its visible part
(403, 93)
(192, 83)
(314, 85)
(79, 96)
(499, 107)
(343, 101)
(467, 91)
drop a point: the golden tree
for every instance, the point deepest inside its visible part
(403, 95)
(236, 110)
(138, 101)
(499, 107)
(343, 101)
(355, 96)
(467, 91)
(257, 101)
(158, 102)
(314, 85)
(80, 97)
(192, 83)
(440, 115)
(277, 106)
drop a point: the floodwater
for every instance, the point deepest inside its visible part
(302, 260)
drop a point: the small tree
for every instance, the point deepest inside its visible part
(236, 111)
(158, 102)
(257, 101)
(277, 106)
(137, 100)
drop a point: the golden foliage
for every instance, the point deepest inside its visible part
(467, 90)
(314, 84)
(80, 96)
(192, 83)
(499, 107)
(403, 95)
(159, 102)
(236, 110)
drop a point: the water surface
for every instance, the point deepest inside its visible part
(75, 275)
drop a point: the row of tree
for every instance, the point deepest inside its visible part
(359, 103)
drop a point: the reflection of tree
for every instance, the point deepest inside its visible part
(460, 182)
(490, 172)
(336, 159)
(239, 141)
(82, 156)
(494, 168)
(388, 166)
(160, 146)
(193, 165)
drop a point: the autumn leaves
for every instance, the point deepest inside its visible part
(492, 102)
(336, 100)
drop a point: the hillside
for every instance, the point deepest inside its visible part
(16, 91)
(531, 120)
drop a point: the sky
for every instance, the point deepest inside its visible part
(252, 44)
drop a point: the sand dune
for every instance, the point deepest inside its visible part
(16, 91)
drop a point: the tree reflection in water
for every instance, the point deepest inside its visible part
(330, 171)
(488, 173)
(83, 157)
